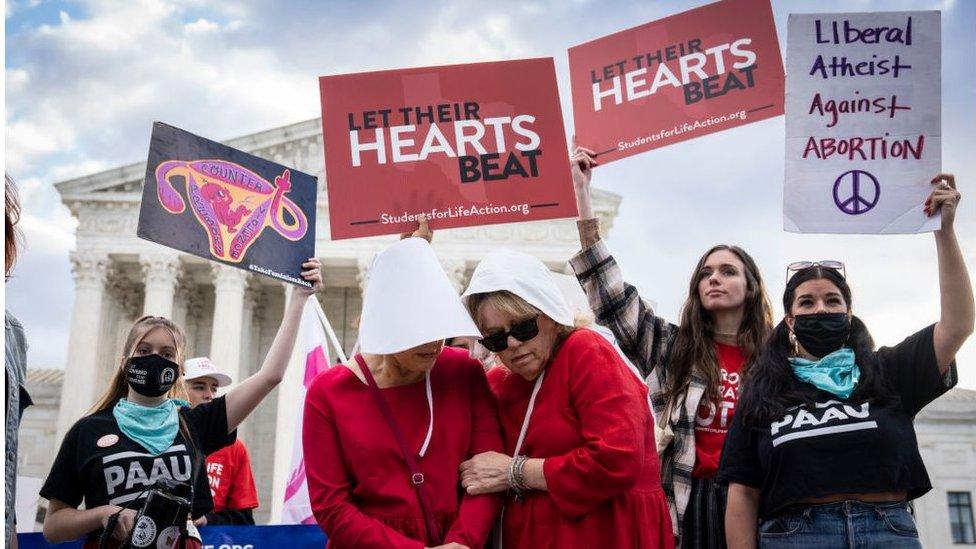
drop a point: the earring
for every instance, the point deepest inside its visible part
(796, 349)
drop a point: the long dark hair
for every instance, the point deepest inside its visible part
(10, 230)
(770, 388)
(694, 342)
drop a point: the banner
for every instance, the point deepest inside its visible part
(467, 145)
(863, 121)
(685, 76)
(222, 537)
(297, 508)
(222, 204)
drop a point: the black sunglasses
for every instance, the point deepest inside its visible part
(825, 263)
(522, 331)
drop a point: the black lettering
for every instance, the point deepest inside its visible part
(421, 114)
(352, 123)
(531, 155)
(385, 113)
(405, 111)
(469, 169)
(514, 167)
(488, 166)
(444, 112)
(693, 92)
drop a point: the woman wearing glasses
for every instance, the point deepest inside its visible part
(822, 449)
(384, 435)
(692, 369)
(580, 465)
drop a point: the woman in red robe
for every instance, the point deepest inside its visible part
(580, 464)
(363, 490)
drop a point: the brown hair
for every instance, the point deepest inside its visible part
(118, 387)
(512, 306)
(10, 231)
(694, 343)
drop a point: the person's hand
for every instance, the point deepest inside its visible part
(486, 473)
(423, 231)
(451, 545)
(200, 522)
(125, 523)
(312, 272)
(944, 198)
(582, 161)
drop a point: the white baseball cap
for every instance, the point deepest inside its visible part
(198, 367)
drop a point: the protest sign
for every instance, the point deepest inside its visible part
(685, 76)
(863, 121)
(225, 205)
(466, 145)
(220, 537)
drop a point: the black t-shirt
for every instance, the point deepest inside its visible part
(99, 465)
(840, 446)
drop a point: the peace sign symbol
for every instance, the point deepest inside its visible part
(849, 195)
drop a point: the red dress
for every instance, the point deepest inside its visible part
(358, 481)
(592, 426)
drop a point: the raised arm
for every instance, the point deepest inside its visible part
(641, 335)
(956, 290)
(243, 399)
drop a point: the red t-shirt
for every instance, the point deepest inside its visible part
(712, 422)
(231, 480)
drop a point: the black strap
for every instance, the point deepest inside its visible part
(416, 477)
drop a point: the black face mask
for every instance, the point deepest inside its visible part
(151, 375)
(822, 333)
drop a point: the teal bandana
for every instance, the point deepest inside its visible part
(154, 427)
(835, 373)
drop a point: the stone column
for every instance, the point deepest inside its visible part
(228, 318)
(160, 273)
(181, 302)
(362, 273)
(457, 273)
(252, 295)
(81, 371)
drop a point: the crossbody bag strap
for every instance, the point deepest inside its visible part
(416, 477)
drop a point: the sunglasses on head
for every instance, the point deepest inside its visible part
(522, 331)
(825, 263)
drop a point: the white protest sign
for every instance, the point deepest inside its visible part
(863, 121)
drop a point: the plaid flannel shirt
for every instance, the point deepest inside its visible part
(646, 340)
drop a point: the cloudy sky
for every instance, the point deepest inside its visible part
(85, 79)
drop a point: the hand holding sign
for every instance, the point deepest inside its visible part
(423, 231)
(312, 272)
(581, 166)
(944, 198)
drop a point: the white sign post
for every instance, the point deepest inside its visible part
(863, 121)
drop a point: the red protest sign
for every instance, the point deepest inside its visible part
(691, 74)
(467, 145)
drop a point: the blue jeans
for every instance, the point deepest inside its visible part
(851, 524)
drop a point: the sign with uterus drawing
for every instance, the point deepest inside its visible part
(225, 205)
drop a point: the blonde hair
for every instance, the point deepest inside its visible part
(512, 306)
(118, 387)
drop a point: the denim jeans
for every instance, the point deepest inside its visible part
(849, 524)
